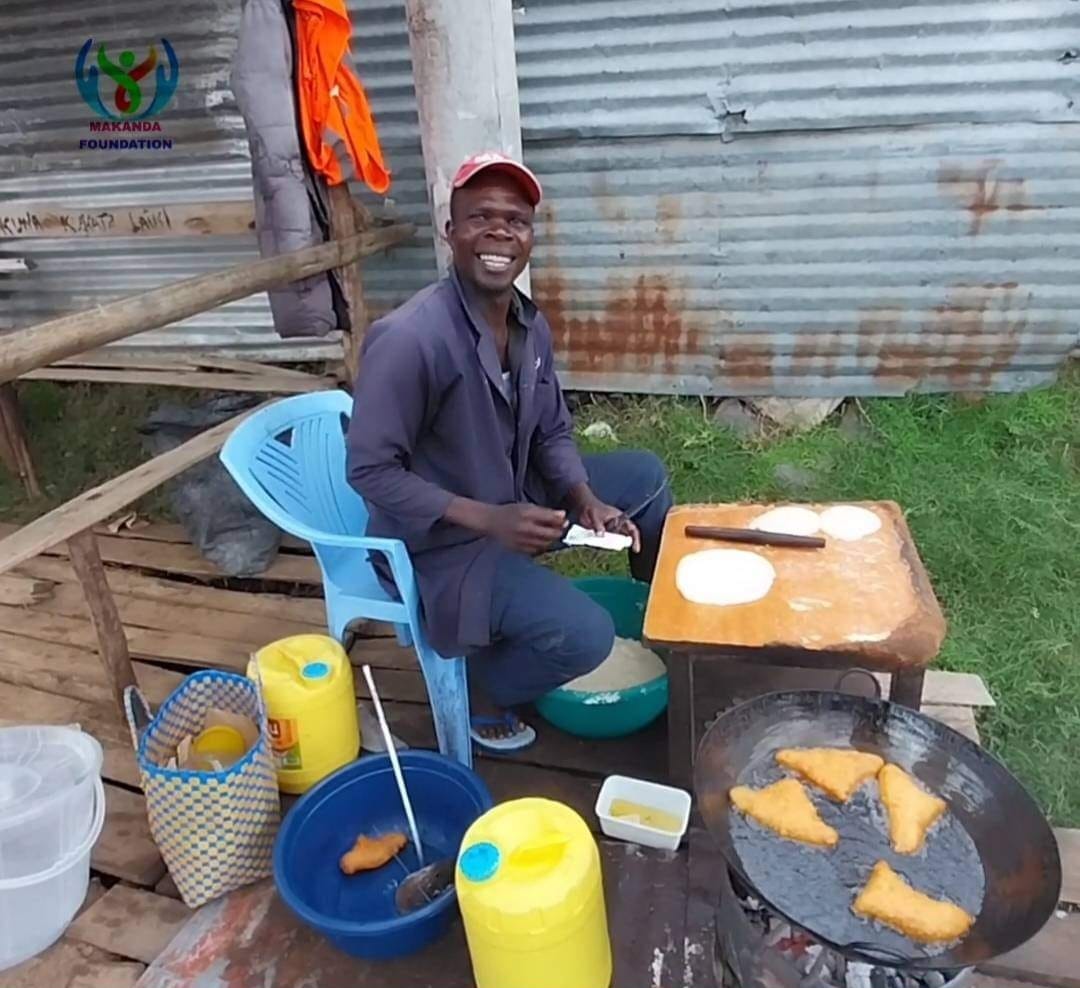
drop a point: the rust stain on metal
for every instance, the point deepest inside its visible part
(641, 328)
(983, 193)
(967, 339)
(610, 206)
(669, 212)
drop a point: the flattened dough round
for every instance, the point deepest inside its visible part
(789, 520)
(724, 576)
(848, 522)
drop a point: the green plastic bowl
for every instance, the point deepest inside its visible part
(622, 712)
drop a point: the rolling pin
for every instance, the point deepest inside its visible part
(754, 536)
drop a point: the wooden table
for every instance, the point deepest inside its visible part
(867, 604)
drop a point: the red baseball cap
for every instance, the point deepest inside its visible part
(494, 161)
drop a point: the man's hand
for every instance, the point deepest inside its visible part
(525, 528)
(599, 517)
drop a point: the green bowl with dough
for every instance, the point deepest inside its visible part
(615, 713)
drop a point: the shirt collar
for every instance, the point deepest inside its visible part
(522, 308)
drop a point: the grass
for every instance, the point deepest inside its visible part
(992, 492)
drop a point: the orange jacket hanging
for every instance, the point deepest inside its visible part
(339, 132)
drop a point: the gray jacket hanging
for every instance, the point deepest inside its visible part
(290, 202)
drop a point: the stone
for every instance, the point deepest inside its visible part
(795, 480)
(797, 414)
(733, 415)
(853, 425)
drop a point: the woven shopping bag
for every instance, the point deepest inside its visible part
(215, 830)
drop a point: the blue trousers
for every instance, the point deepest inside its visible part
(544, 631)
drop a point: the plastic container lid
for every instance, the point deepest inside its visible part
(39, 767)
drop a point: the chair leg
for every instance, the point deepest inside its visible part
(448, 692)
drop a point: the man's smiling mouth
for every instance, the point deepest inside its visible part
(495, 263)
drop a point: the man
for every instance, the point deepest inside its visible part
(462, 446)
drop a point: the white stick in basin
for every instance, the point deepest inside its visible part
(392, 752)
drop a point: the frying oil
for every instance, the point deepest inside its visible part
(648, 816)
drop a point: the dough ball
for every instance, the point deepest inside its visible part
(848, 522)
(790, 520)
(724, 576)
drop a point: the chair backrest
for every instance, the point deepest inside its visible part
(289, 459)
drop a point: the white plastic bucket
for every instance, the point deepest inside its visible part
(47, 779)
(53, 822)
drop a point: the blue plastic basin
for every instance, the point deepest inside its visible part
(357, 913)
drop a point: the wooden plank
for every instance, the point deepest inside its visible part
(955, 689)
(125, 849)
(103, 501)
(979, 980)
(172, 646)
(1050, 958)
(201, 380)
(112, 645)
(512, 780)
(70, 670)
(250, 631)
(24, 350)
(961, 719)
(1069, 847)
(17, 590)
(308, 611)
(343, 224)
(131, 922)
(186, 560)
(22, 220)
(69, 964)
(181, 559)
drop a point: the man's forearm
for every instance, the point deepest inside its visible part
(470, 514)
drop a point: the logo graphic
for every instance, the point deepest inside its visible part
(131, 100)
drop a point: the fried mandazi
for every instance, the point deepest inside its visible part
(785, 808)
(889, 899)
(838, 772)
(911, 811)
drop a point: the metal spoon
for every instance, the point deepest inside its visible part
(424, 886)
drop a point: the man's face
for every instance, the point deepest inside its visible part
(490, 232)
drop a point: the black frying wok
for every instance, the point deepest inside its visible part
(993, 853)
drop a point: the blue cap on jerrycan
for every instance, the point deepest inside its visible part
(480, 862)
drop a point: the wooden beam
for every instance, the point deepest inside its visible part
(27, 349)
(268, 383)
(45, 219)
(99, 503)
(344, 223)
(14, 442)
(112, 642)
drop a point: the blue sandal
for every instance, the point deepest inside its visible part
(523, 735)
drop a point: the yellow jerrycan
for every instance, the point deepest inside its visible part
(532, 897)
(307, 685)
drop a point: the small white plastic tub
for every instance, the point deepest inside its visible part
(52, 810)
(649, 794)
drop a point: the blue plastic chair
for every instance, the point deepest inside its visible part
(289, 459)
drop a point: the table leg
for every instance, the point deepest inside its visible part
(907, 687)
(681, 719)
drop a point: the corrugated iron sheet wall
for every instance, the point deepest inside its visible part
(807, 197)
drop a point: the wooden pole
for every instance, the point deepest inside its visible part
(345, 222)
(26, 349)
(112, 642)
(465, 74)
(14, 442)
